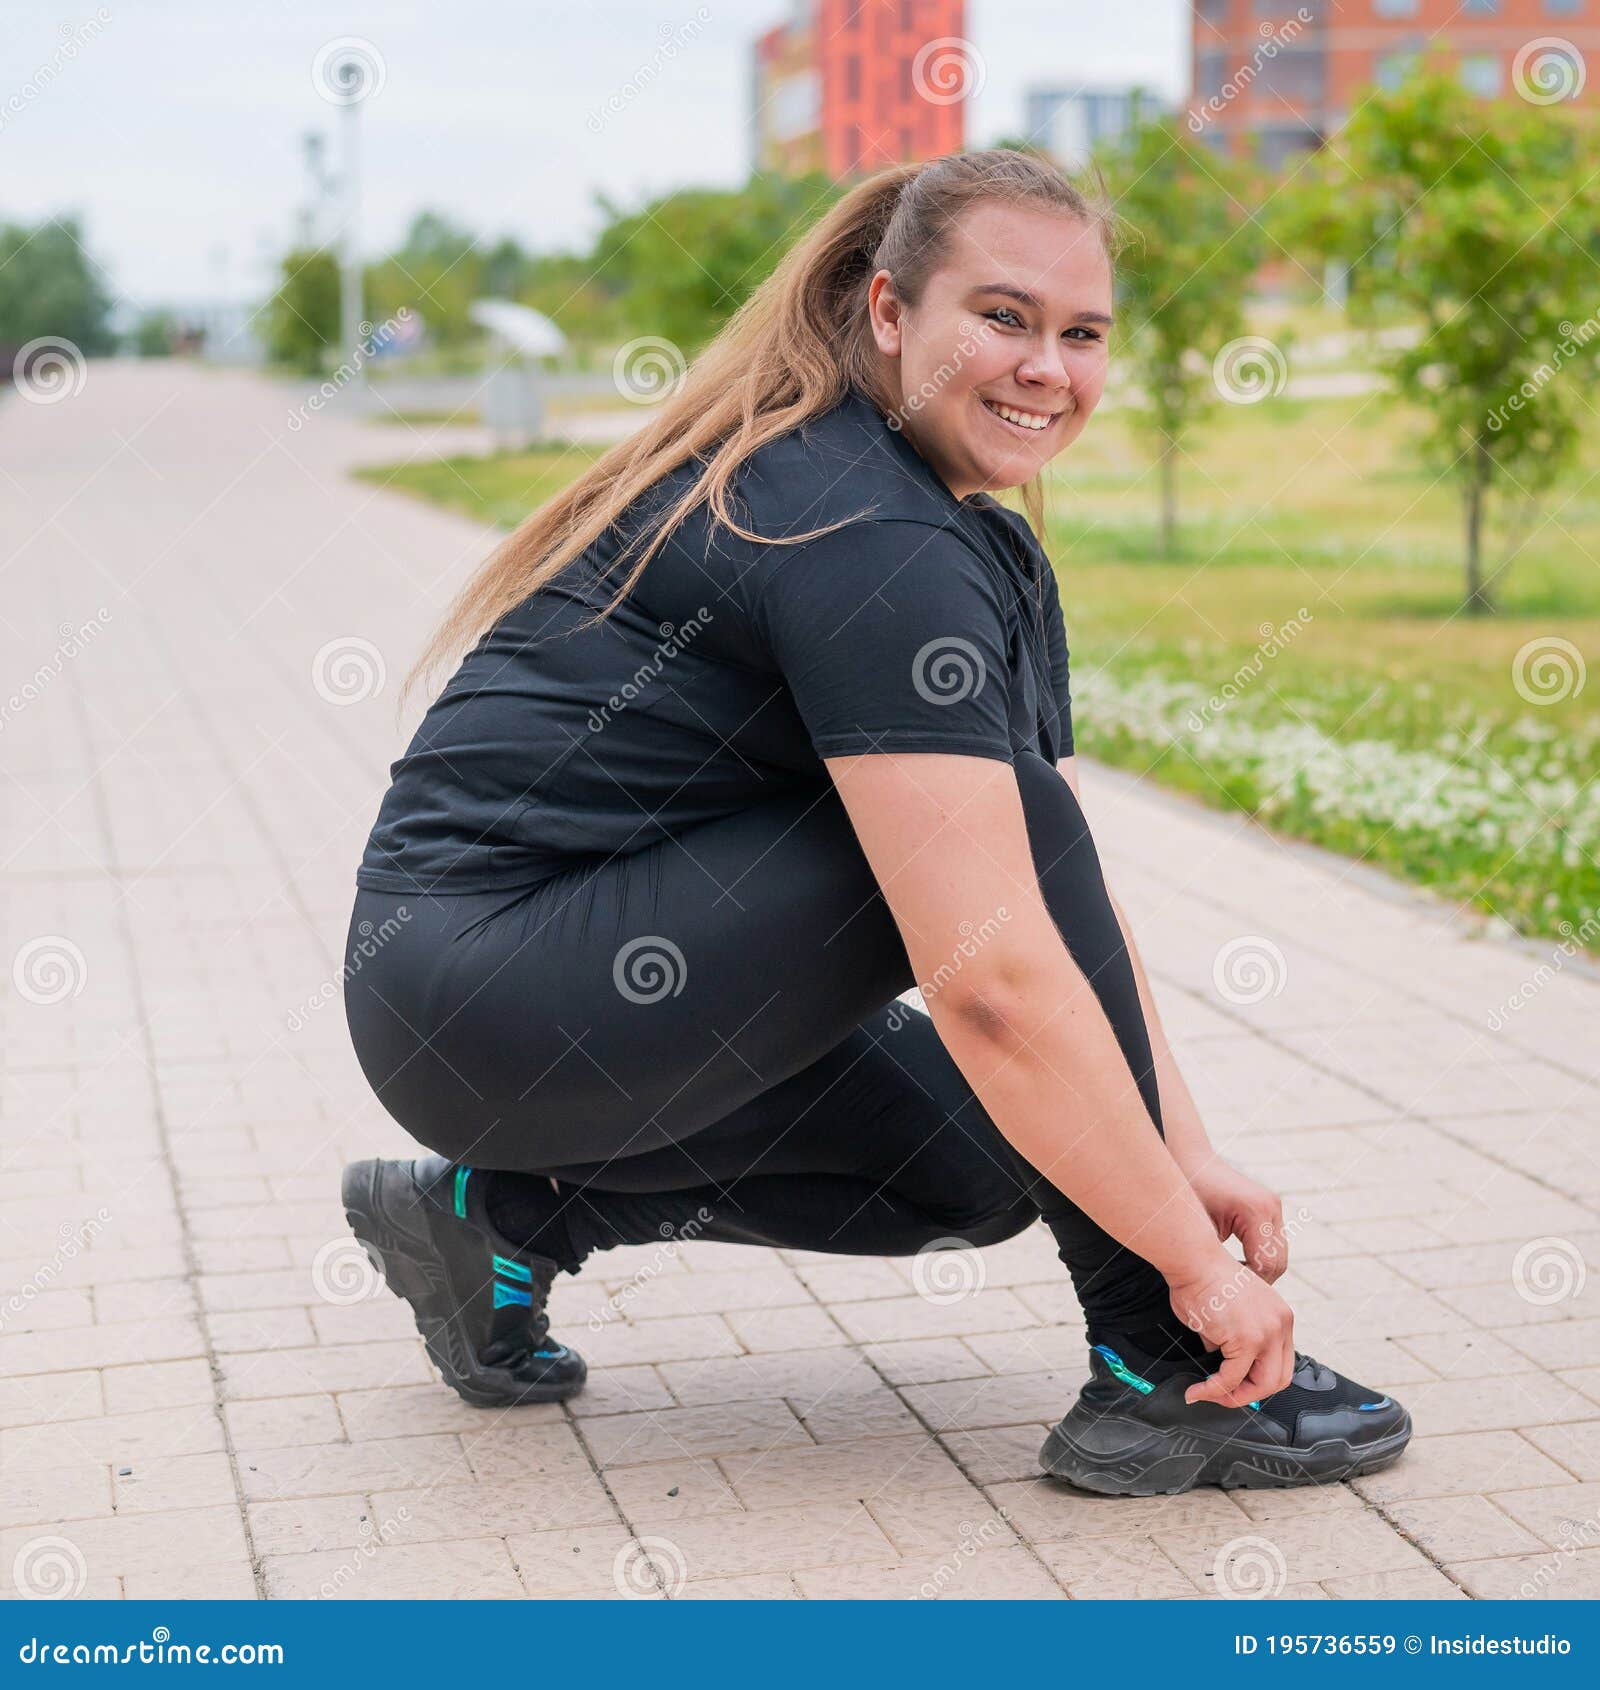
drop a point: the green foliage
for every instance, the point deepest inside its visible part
(1182, 279)
(1480, 220)
(50, 287)
(681, 265)
(155, 333)
(302, 317)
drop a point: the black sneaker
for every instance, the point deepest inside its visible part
(1132, 1435)
(479, 1301)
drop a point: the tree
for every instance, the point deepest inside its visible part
(681, 265)
(302, 318)
(1182, 282)
(51, 289)
(1483, 221)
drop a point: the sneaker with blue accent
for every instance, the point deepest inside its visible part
(1130, 1433)
(479, 1301)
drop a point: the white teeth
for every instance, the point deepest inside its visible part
(1023, 419)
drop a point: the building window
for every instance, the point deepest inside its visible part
(1295, 74)
(907, 87)
(1563, 8)
(1480, 73)
(852, 77)
(1479, 8)
(1277, 145)
(1210, 71)
(1395, 8)
(1213, 11)
(1392, 69)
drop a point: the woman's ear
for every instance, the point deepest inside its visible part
(883, 308)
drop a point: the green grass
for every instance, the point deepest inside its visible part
(1381, 722)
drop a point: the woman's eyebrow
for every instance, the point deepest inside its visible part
(1023, 297)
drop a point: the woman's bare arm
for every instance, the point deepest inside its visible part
(947, 841)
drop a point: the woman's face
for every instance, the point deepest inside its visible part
(1015, 319)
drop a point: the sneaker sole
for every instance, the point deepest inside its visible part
(392, 1225)
(1157, 1462)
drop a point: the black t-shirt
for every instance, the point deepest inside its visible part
(731, 669)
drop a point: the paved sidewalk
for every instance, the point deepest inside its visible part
(198, 1395)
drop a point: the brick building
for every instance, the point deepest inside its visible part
(848, 86)
(1279, 75)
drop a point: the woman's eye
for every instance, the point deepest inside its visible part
(1086, 332)
(1003, 311)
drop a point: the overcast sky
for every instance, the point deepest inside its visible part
(175, 130)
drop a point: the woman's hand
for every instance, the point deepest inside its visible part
(1237, 1312)
(1243, 1209)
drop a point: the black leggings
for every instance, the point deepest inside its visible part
(701, 1039)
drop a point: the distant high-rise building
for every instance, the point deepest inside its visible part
(1070, 122)
(848, 86)
(1276, 77)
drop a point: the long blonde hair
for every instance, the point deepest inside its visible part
(786, 355)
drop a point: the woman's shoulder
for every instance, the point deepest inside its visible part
(844, 464)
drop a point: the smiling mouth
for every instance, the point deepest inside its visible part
(1019, 421)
